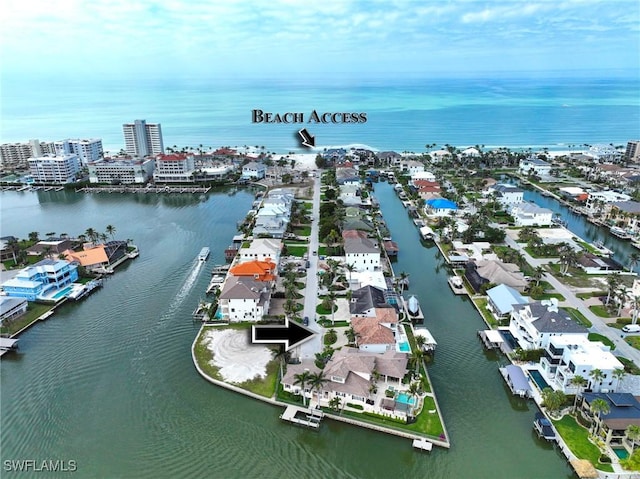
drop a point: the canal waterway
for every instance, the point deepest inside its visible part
(109, 382)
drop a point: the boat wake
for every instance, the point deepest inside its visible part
(186, 286)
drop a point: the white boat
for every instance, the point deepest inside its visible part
(619, 232)
(602, 249)
(413, 306)
(204, 254)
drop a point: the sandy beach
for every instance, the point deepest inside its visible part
(238, 360)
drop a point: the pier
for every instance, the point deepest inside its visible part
(422, 444)
(304, 417)
(147, 189)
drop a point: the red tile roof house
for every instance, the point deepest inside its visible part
(376, 334)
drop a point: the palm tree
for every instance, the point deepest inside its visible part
(350, 267)
(596, 377)
(580, 382)
(13, 246)
(302, 379)
(598, 407)
(622, 294)
(91, 234)
(568, 257)
(420, 340)
(633, 435)
(331, 297)
(46, 251)
(634, 258)
(402, 277)
(351, 335)
(619, 374)
(414, 389)
(613, 281)
(34, 236)
(335, 403)
(283, 355)
(317, 381)
(110, 230)
(538, 273)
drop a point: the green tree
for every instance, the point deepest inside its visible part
(580, 382)
(34, 236)
(553, 400)
(596, 378)
(302, 379)
(598, 407)
(317, 382)
(111, 230)
(402, 279)
(613, 281)
(633, 435)
(335, 403)
(414, 390)
(634, 258)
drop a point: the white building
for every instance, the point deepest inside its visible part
(175, 168)
(507, 195)
(423, 175)
(412, 167)
(142, 138)
(243, 299)
(254, 170)
(533, 324)
(529, 214)
(566, 357)
(261, 249)
(599, 202)
(363, 253)
(538, 167)
(54, 169)
(16, 155)
(121, 171)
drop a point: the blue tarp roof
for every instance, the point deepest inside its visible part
(442, 203)
(503, 297)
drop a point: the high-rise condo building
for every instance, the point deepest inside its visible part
(54, 169)
(633, 151)
(142, 139)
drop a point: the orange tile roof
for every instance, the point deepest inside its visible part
(88, 257)
(259, 270)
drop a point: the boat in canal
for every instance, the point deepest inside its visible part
(204, 254)
(619, 232)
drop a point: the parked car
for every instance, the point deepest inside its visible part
(305, 321)
(631, 328)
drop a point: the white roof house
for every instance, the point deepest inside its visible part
(261, 249)
(529, 214)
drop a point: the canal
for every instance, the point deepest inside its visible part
(109, 382)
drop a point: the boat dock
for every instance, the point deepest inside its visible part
(413, 304)
(302, 416)
(215, 283)
(148, 189)
(491, 338)
(456, 284)
(422, 444)
(220, 269)
(7, 345)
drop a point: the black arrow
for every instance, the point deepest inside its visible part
(308, 139)
(291, 334)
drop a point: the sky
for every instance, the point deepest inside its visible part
(297, 38)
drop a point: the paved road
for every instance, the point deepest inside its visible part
(599, 326)
(313, 345)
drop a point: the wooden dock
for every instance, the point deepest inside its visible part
(303, 416)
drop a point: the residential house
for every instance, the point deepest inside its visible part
(376, 334)
(350, 194)
(53, 246)
(535, 166)
(11, 308)
(261, 249)
(390, 157)
(506, 194)
(347, 176)
(624, 411)
(244, 299)
(357, 224)
(533, 324)
(501, 299)
(6, 252)
(423, 175)
(99, 256)
(41, 279)
(256, 269)
(593, 264)
(568, 356)
(254, 170)
(412, 167)
(365, 300)
(599, 202)
(494, 272)
(530, 214)
(440, 207)
(626, 214)
(362, 252)
(427, 190)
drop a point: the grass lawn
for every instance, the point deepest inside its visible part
(579, 317)
(263, 386)
(324, 311)
(326, 323)
(578, 277)
(296, 250)
(592, 294)
(302, 230)
(34, 311)
(602, 339)
(577, 438)
(629, 366)
(601, 310)
(481, 303)
(633, 341)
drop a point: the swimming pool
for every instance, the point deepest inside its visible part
(405, 398)
(62, 292)
(538, 379)
(621, 453)
(403, 347)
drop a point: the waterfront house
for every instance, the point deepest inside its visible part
(389, 157)
(174, 168)
(51, 247)
(6, 251)
(593, 264)
(244, 299)
(422, 176)
(11, 308)
(535, 166)
(365, 300)
(624, 411)
(411, 167)
(254, 170)
(391, 248)
(533, 324)
(506, 194)
(350, 194)
(261, 249)
(347, 176)
(99, 256)
(41, 279)
(494, 272)
(440, 207)
(599, 202)
(626, 214)
(501, 299)
(567, 356)
(363, 253)
(530, 214)
(258, 270)
(359, 224)
(376, 334)
(360, 279)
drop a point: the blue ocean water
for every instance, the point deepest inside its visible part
(403, 115)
